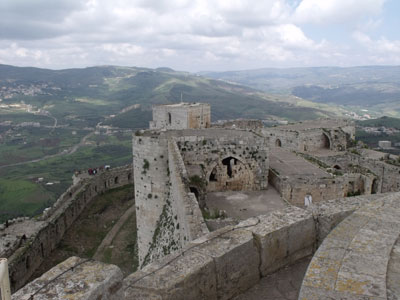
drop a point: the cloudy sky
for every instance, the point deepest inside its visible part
(198, 35)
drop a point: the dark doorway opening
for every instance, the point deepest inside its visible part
(278, 143)
(195, 192)
(213, 175)
(374, 188)
(326, 143)
(228, 162)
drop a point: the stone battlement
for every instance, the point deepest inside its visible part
(28, 242)
(224, 263)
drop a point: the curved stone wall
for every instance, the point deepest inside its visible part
(35, 239)
(359, 256)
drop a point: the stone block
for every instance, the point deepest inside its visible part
(236, 259)
(178, 276)
(361, 284)
(322, 273)
(284, 237)
(83, 280)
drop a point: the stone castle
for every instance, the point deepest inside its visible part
(179, 167)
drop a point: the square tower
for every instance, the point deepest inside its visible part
(181, 116)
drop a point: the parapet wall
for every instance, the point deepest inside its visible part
(43, 235)
(224, 263)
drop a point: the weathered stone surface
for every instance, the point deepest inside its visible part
(83, 280)
(358, 258)
(393, 274)
(28, 242)
(236, 259)
(178, 276)
(284, 236)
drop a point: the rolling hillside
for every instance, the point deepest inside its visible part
(86, 96)
(375, 88)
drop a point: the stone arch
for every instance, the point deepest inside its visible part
(230, 173)
(374, 186)
(116, 180)
(326, 142)
(278, 143)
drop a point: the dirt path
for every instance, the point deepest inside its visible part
(113, 232)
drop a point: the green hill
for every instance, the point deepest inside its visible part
(84, 97)
(376, 88)
(381, 122)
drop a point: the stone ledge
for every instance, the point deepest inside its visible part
(353, 261)
(90, 280)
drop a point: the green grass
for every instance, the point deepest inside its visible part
(55, 169)
(22, 198)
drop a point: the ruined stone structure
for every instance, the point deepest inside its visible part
(224, 263)
(312, 135)
(172, 167)
(181, 116)
(180, 160)
(28, 242)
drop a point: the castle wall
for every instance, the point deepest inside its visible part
(386, 175)
(226, 160)
(226, 262)
(199, 117)
(295, 191)
(181, 220)
(150, 161)
(181, 116)
(33, 250)
(168, 215)
(310, 139)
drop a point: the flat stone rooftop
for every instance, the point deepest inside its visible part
(245, 204)
(289, 164)
(314, 124)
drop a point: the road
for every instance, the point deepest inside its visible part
(73, 148)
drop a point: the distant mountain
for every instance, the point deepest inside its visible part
(374, 87)
(84, 97)
(381, 122)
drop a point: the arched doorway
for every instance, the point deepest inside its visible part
(278, 143)
(230, 174)
(337, 167)
(374, 186)
(325, 142)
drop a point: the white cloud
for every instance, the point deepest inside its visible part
(336, 11)
(182, 34)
